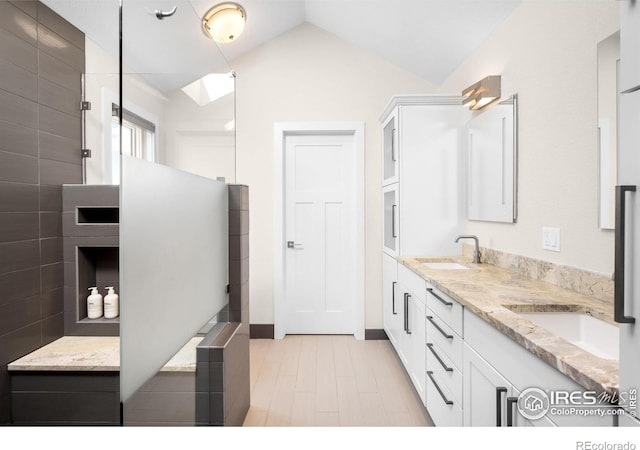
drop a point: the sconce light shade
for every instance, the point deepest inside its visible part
(224, 22)
(482, 93)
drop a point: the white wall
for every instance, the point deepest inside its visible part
(200, 139)
(546, 52)
(308, 74)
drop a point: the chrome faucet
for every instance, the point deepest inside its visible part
(476, 253)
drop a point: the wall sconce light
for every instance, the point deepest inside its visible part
(224, 22)
(482, 93)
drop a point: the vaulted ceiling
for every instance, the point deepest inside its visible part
(427, 37)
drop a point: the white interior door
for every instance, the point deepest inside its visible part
(320, 234)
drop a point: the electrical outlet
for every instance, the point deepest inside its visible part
(551, 239)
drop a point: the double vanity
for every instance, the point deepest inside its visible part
(474, 336)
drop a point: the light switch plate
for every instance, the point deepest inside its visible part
(551, 239)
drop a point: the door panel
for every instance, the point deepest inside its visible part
(481, 382)
(320, 219)
(390, 298)
(390, 224)
(629, 174)
(390, 150)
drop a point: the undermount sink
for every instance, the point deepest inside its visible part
(582, 330)
(444, 266)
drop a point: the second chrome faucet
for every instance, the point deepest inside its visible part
(476, 253)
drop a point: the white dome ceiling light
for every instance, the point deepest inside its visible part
(224, 22)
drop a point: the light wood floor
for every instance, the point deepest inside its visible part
(330, 381)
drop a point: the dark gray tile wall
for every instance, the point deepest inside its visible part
(239, 255)
(41, 62)
(91, 257)
(166, 399)
(222, 375)
(55, 398)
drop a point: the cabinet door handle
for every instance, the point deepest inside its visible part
(499, 391)
(619, 269)
(404, 312)
(393, 221)
(394, 157)
(444, 333)
(407, 310)
(393, 298)
(446, 400)
(430, 347)
(510, 402)
(444, 302)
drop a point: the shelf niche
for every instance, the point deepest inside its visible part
(90, 226)
(99, 216)
(96, 266)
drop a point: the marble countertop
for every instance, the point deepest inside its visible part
(95, 353)
(497, 295)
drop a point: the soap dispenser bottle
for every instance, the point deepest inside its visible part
(111, 304)
(94, 304)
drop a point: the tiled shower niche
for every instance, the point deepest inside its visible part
(90, 227)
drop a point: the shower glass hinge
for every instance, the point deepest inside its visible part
(86, 153)
(85, 106)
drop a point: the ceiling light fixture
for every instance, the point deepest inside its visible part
(224, 22)
(482, 93)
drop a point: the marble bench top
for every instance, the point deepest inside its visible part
(95, 353)
(496, 295)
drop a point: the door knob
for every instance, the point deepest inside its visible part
(292, 244)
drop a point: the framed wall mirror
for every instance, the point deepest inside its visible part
(608, 68)
(492, 160)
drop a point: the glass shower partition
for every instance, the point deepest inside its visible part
(177, 145)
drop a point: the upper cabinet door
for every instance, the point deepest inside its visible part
(629, 46)
(391, 219)
(391, 151)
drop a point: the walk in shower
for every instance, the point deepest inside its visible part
(136, 108)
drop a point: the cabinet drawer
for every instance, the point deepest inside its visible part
(443, 408)
(445, 308)
(445, 370)
(448, 341)
(413, 282)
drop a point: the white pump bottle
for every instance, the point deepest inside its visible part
(94, 304)
(111, 304)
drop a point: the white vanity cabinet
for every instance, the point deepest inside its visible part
(490, 399)
(411, 341)
(492, 361)
(403, 302)
(392, 308)
(486, 392)
(629, 45)
(424, 144)
(444, 367)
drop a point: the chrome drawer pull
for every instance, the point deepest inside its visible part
(446, 401)
(446, 303)
(448, 369)
(444, 333)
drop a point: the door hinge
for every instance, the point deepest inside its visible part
(85, 153)
(85, 106)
